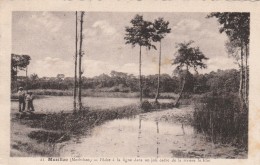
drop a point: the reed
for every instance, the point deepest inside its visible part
(222, 119)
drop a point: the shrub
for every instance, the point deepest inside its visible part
(148, 92)
(51, 137)
(155, 105)
(146, 106)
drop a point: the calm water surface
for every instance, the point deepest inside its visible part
(135, 137)
(65, 103)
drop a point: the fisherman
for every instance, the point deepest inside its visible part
(29, 99)
(21, 97)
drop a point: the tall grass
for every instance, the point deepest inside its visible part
(222, 119)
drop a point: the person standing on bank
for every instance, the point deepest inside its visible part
(29, 99)
(21, 97)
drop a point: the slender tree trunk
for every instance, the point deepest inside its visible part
(16, 78)
(76, 58)
(159, 74)
(246, 75)
(140, 75)
(80, 56)
(26, 79)
(241, 86)
(182, 88)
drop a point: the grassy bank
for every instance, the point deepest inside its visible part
(24, 146)
(42, 132)
(77, 123)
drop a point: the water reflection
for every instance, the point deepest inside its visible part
(139, 135)
(136, 137)
(157, 138)
(182, 127)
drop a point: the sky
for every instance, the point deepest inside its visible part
(49, 38)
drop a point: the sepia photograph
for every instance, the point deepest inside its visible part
(129, 84)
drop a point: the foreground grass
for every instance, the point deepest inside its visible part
(41, 132)
(76, 123)
(23, 146)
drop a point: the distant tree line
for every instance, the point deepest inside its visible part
(221, 81)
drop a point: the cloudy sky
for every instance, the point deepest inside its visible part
(49, 38)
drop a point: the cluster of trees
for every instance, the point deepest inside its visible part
(221, 81)
(18, 62)
(144, 33)
(237, 28)
(225, 118)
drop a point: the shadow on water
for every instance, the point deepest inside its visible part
(157, 139)
(139, 135)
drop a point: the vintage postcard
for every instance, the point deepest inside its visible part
(139, 82)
